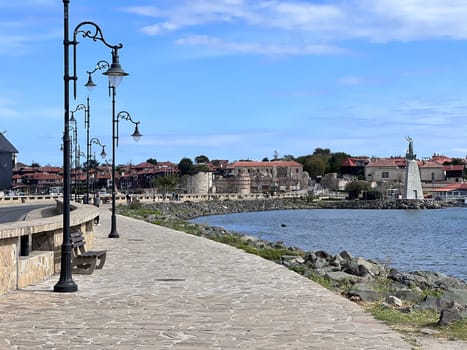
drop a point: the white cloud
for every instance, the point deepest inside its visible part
(351, 80)
(382, 20)
(159, 29)
(259, 48)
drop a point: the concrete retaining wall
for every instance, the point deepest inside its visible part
(214, 196)
(45, 237)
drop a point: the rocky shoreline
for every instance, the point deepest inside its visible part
(356, 278)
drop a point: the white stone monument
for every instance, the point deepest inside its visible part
(413, 184)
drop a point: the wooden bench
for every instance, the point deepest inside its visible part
(82, 261)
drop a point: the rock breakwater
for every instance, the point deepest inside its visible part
(191, 210)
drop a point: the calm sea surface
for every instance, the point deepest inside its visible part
(432, 240)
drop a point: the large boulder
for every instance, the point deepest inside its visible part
(342, 277)
(291, 261)
(362, 267)
(434, 280)
(367, 292)
(452, 313)
(438, 303)
(317, 260)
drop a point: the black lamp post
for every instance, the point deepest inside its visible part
(88, 159)
(87, 115)
(74, 128)
(115, 73)
(102, 64)
(136, 136)
(79, 154)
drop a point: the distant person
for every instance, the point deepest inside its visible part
(97, 200)
(97, 203)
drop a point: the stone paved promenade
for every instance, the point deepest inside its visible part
(162, 289)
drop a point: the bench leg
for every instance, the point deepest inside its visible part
(101, 261)
(84, 266)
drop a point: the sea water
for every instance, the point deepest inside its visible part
(409, 240)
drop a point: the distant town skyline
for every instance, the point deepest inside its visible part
(242, 79)
(103, 162)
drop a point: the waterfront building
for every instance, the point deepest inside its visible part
(262, 177)
(7, 162)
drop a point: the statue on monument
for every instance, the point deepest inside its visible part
(413, 185)
(410, 155)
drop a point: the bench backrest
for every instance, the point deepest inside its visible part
(77, 242)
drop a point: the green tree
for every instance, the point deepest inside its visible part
(92, 164)
(166, 183)
(335, 161)
(152, 161)
(288, 157)
(301, 159)
(323, 152)
(455, 161)
(201, 159)
(355, 188)
(199, 168)
(314, 165)
(185, 166)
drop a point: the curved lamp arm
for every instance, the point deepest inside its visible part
(97, 142)
(78, 108)
(115, 72)
(102, 64)
(125, 115)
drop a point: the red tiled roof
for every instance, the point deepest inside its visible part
(353, 161)
(453, 187)
(429, 164)
(441, 159)
(144, 165)
(387, 162)
(454, 167)
(45, 176)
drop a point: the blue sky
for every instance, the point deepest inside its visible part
(241, 79)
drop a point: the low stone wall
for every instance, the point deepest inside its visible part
(159, 198)
(45, 236)
(15, 200)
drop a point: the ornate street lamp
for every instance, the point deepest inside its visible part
(136, 136)
(88, 159)
(87, 117)
(75, 138)
(115, 73)
(96, 141)
(115, 118)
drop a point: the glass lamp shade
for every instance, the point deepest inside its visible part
(115, 72)
(90, 84)
(136, 134)
(103, 154)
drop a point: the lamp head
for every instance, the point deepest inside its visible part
(136, 134)
(90, 84)
(103, 154)
(115, 72)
